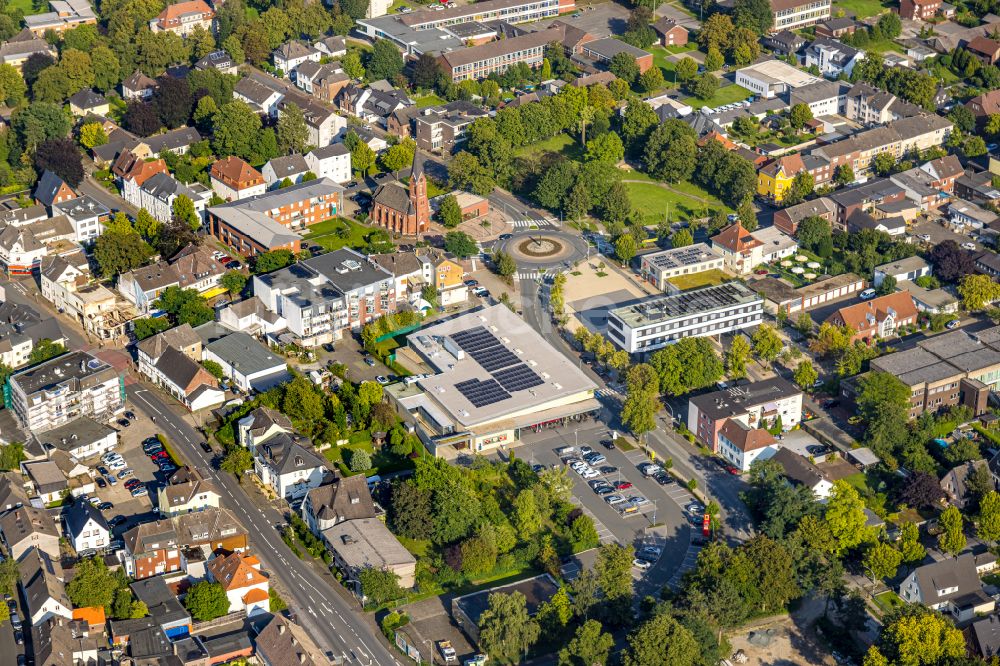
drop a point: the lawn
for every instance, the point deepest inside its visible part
(888, 601)
(26, 6)
(861, 8)
(662, 55)
(703, 279)
(428, 100)
(725, 95)
(656, 202)
(325, 233)
(884, 45)
(560, 143)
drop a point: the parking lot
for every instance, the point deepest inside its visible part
(660, 522)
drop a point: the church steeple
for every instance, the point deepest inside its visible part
(418, 193)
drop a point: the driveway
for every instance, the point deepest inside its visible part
(939, 233)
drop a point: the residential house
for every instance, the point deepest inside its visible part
(21, 326)
(983, 106)
(983, 637)
(26, 527)
(373, 104)
(832, 57)
(333, 47)
(951, 585)
(446, 272)
(739, 249)
(183, 17)
(81, 438)
(259, 425)
(250, 316)
(193, 267)
(47, 481)
(233, 179)
(800, 471)
(775, 178)
(670, 32)
(824, 98)
(291, 54)
(132, 171)
(12, 493)
(64, 388)
(775, 245)
(322, 297)
(41, 580)
(186, 380)
(88, 102)
(931, 301)
(604, 50)
(878, 318)
(366, 542)
(987, 50)
(784, 43)
(138, 87)
(87, 216)
(345, 498)
(261, 98)
(282, 642)
(865, 197)
(919, 10)
(869, 105)
(65, 15)
(910, 268)
(158, 193)
(333, 162)
(659, 267)
(771, 401)
(245, 585)
(16, 50)
(287, 464)
(246, 364)
(441, 128)
(158, 547)
(836, 28)
(954, 482)
(742, 445)
(788, 219)
(219, 60)
(792, 14)
(324, 81)
(269, 96)
(186, 490)
(291, 168)
(177, 141)
(403, 209)
(898, 138)
(261, 223)
(86, 527)
(51, 189)
(100, 311)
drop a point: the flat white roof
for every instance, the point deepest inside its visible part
(778, 71)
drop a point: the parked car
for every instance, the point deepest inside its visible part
(642, 565)
(116, 521)
(206, 447)
(370, 361)
(867, 294)
(608, 470)
(953, 324)
(105, 506)
(124, 423)
(381, 380)
(638, 500)
(472, 283)
(112, 481)
(663, 479)
(139, 492)
(160, 455)
(130, 415)
(18, 637)
(623, 485)
(614, 499)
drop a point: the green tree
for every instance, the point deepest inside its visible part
(883, 402)
(591, 646)
(92, 584)
(614, 575)
(652, 80)
(624, 66)
(184, 211)
(449, 212)
(642, 401)
(379, 585)
(681, 238)
(385, 61)
(360, 461)
(844, 175)
(236, 127)
(292, 132)
(845, 514)
(766, 344)
(988, 526)
(150, 326)
(45, 349)
(460, 244)
(881, 561)
(605, 148)
(353, 67)
(661, 641)
(527, 518)
(805, 374)
(909, 543)
(504, 264)
(952, 538)
(705, 86)
(118, 253)
(92, 134)
(214, 369)
(737, 357)
(753, 14)
(272, 261)
(206, 601)
(799, 115)
(713, 60)
(233, 281)
(237, 461)
(399, 156)
(917, 636)
(978, 291)
(686, 69)
(506, 630)
(467, 173)
(625, 248)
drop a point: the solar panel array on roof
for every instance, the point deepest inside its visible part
(518, 378)
(494, 358)
(482, 393)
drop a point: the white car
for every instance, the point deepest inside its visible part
(968, 246)
(642, 565)
(637, 500)
(590, 473)
(117, 465)
(867, 294)
(108, 457)
(925, 237)
(614, 499)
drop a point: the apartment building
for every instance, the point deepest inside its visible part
(259, 224)
(64, 388)
(869, 105)
(333, 162)
(157, 195)
(478, 62)
(511, 11)
(792, 14)
(324, 296)
(65, 15)
(919, 10)
(758, 405)
(270, 96)
(164, 546)
(183, 17)
(662, 320)
(442, 128)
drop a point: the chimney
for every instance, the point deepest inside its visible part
(281, 629)
(302, 657)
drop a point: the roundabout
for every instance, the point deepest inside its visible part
(543, 249)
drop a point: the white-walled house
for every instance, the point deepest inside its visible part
(741, 445)
(41, 579)
(86, 528)
(81, 438)
(259, 425)
(287, 467)
(245, 585)
(800, 471)
(950, 586)
(333, 162)
(246, 363)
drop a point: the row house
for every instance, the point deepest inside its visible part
(41, 577)
(322, 297)
(193, 267)
(869, 105)
(171, 360)
(775, 178)
(161, 546)
(269, 96)
(898, 138)
(25, 527)
(158, 193)
(324, 81)
(930, 186)
(97, 309)
(878, 192)
(86, 215)
(262, 223)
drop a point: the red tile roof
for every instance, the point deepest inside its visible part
(735, 238)
(857, 316)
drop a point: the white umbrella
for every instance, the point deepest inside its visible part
(813, 264)
(786, 263)
(798, 270)
(810, 276)
(801, 257)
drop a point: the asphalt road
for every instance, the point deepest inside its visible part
(330, 620)
(94, 189)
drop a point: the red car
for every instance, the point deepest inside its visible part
(160, 455)
(623, 485)
(732, 470)
(132, 483)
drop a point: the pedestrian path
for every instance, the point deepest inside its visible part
(527, 224)
(526, 275)
(609, 393)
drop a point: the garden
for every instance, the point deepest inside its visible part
(338, 232)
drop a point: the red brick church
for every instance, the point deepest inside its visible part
(403, 209)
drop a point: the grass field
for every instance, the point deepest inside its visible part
(703, 279)
(724, 95)
(560, 143)
(326, 234)
(428, 100)
(656, 202)
(26, 6)
(861, 8)
(888, 601)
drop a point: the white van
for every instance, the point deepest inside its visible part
(867, 294)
